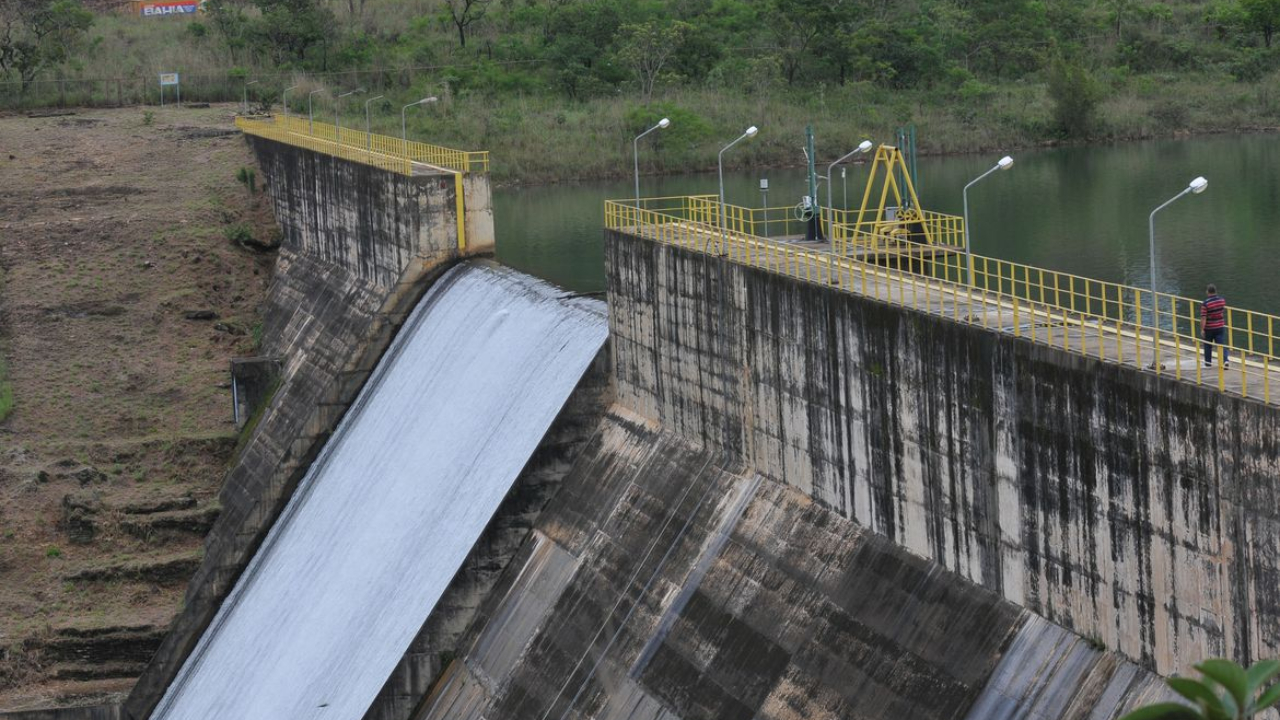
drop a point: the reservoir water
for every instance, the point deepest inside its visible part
(1081, 210)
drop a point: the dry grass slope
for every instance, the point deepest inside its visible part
(118, 431)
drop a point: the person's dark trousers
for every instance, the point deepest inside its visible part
(1211, 337)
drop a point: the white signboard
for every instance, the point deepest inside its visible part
(170, 80)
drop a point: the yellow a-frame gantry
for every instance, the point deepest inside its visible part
(874, 222)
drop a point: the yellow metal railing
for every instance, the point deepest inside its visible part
(381, 151)
(931, 229)
(1100, 319)
(388, 153)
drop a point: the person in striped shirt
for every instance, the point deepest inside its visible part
(1213, 322)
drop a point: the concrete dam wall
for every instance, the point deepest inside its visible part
(664, 584)
(387, 515)
(1127, 507)
(359, 248)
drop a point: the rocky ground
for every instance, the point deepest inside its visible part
(130, 274)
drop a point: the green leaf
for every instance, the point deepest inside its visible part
(1197, 692)
(1260, 673)
(1164, 711)
(1268, 698)
(1230, 710)
(1230, 676)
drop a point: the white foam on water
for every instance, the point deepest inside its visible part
(389, 511)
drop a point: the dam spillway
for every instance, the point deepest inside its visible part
(391, 508)
(804, 502)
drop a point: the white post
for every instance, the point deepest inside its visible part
(311, 116)
(751, 131)
(635, 153)
(368, 134)
(863, 146)
(1196, 186)
(1005, 163)
(246, 95)
(284, 99)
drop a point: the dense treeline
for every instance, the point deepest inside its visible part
(1031, 70)
(589, 48)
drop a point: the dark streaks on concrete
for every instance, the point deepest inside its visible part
(1132, 507)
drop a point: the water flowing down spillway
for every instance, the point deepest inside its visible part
(391, 508)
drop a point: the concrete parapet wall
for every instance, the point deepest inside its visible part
(1130, 508)
(372, 222)
(360, 247)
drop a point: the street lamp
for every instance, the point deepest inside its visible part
(246, 95)
(1196, 186)
(863, 147)
(337, 112)
(1005, 163)
(635, 151)
(404, 135)
(368, 135)
(751, 132)
(311, 116)
(284, 99)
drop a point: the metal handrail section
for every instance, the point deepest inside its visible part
(382, 151)
(931, 228)
(1110, 321)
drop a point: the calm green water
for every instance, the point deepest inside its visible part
(1079, 210)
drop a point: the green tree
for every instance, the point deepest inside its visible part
(40, 34)
(646, 48)
(463, 14)
(578, 38)
(1227, 692)
(288, 30)
(1007, 37)
(1075, 96)
(796, 24)
(1262, 16)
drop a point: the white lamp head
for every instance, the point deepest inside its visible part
(1198, 185)
(864, 146)
(664, 122)
(431, 99)
(751, 132)
(1005, 163)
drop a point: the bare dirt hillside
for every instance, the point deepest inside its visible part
(123, 295)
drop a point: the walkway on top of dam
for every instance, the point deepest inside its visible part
(1107, 321)
(398, 155)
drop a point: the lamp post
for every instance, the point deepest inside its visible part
(1005, 163)
(368, 134)
(311, 116)
(863, 147)
(246, 95)
(337, 112)
(1196, 186)
(635, 152)
(751, 132)
(404, 135)
(284, 99)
